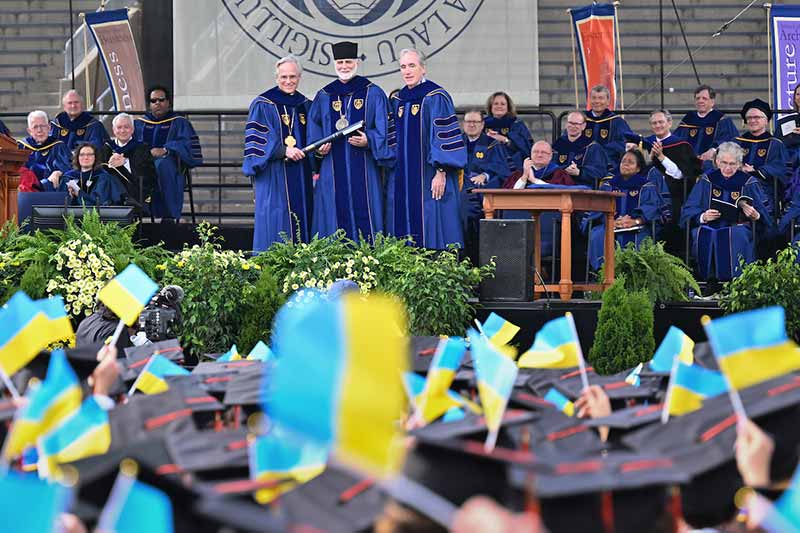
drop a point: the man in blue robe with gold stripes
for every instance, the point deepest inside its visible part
(75, 126)
(348, 194)
(706, 128)
(175, 148)
(604, 126)
(50, 157)
(580, 156)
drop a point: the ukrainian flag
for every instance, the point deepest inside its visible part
(555, 346)
(496, 375)
(151, 380)
(752, 347)
(675, 343)
(60, 324)
(84, 434)
(560, 401)
(54, 400)
(415, 386)
(230, 355)
(128, 293)
(498, 330)
(134, 506)
(690, 385)
(338, 377)
(260, 352)
(24, 332)
(28, 503)
(278, 455)
(434, 400)
(633, 378)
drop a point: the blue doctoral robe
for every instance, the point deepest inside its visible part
(348, 193)
(792, 215)
(546, 219)
(768, 157)
(588, 156)
(4, 129)
(792, 143)
(428, 137)
(642, 200)
(283, 188)
(47, 157)
(83, 129)
(97, 188)
(718, 246)
(707, 132)
(608, 129)
(519, 135)
(483, 157)
(177, 135)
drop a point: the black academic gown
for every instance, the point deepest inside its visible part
(139, 180)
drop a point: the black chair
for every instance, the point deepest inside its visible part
(187, 186)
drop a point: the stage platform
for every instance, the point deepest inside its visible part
(175, 235)
(531, 316)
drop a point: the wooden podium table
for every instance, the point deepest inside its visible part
(11, 158)
(565, 201)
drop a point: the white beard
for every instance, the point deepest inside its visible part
(349, 75)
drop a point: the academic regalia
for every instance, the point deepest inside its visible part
(138, 176)
(97, 187)
(719, 245)
(608, 130)
(348, 194)
(547, 218)
(642, 200)
(483, 157)
(283, 188)
(588, 155)
(428, 137)
(176, 134)
(768, 157)
(83, 129)
(47, 157)
(791, 141)
(707, 132)
(791, 216)
(4, 129)
(518, 133)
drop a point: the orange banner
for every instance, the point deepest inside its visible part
(596, 40)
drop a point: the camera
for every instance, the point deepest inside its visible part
(162, 315)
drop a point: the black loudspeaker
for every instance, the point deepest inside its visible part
(510, 242)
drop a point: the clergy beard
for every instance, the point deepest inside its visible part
(349, 75)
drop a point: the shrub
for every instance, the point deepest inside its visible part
(256, 318)
(624, 334)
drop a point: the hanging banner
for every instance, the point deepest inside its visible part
(785, 28)
(117, 49)
(225, 51)
(595, 39)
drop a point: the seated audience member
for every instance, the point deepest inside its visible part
(486, 168)
(719, 212)
(788, 130)
(706, 128)
(4, 129)
(765, 156)
(49, 157)
(74, 125)
(604, 126)
(88, 184)
(636, 211)
(580, 156)
(503, 126)
(791, 218)
(130, 161)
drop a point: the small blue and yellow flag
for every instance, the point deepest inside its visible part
(338, 377)
(676, 343)
(690, 385)
(133, 506)
(151, 379)
(128, 293)
(785, 514)
(84, 434)
(60, 323)
(415, 386)
(633, 378)
(24, 332)
(231, 355)
(28, 503)
(53, 401)
(555, 346)
(434, 400)
(498, 330)
(496, 375)
(752, 346)
(560, 401)
(280, 455)
(260, 352)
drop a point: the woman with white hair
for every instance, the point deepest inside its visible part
(720, 211)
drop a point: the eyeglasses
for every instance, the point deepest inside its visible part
(473, 122)
(755, 117)
(575, 123)
(157, 100)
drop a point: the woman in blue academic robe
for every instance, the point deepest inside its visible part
(503, 125)
(718, 244)
(87, 183)
(637, 211)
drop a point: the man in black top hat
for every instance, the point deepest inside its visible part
(349, 194)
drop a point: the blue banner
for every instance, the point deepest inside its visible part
(784, 21)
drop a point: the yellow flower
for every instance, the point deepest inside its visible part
(245, 266)
(162, 266)
(256, 266)
(180, 264)
(295, 286)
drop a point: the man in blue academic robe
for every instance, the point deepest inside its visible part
(765, 156)
(4, 129)
(50, 157)
(348, 193)
(175, 148)
(486, 168)
(422, 199)
(720, 242)
(580, 156)
(75, 126)
(604, 126)
(706, 128)
(273, 159)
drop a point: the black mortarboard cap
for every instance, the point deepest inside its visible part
(708, 499)
(759, 104)
(226, 366)
(237, 514)
(635, 138)
(170, 348)
(615, 387)
(245, 387)
(345, 50)
(472, 425)
(421, 352)
(542, 380)
(554, 431)
(211, 454)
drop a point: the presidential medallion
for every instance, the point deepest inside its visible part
(290, 141)
(342, 123)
